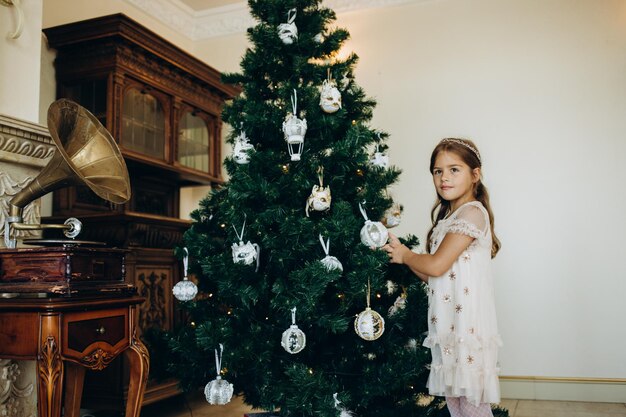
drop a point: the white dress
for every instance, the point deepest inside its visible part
(462, 327)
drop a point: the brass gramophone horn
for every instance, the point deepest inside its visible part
(86, 154)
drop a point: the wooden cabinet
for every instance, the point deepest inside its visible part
(163, 108)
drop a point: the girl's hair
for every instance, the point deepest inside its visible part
(468, 152)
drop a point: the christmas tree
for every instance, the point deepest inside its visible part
(285, 252)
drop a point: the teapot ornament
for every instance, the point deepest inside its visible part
(330, 97)
(245, 253)
(320, 197)
(288, 32)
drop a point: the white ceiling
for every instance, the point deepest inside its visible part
(203, 19)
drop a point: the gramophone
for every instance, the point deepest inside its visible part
(87, 155)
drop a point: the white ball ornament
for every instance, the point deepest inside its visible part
(219, 391)
(185, 290)
(293, 339)
(288, 32)
(319, 38)
(373, 234)
(369, 325)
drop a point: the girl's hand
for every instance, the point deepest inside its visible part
(395, 250)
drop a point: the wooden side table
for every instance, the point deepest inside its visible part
(68, 335)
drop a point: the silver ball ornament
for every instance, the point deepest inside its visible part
(185, 290)
(369, 325)
(219, 391)
(293, 340)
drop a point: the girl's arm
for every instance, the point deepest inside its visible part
(426, 265)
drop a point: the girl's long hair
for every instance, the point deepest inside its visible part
(442, 207)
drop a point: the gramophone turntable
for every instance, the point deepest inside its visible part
(86, 154)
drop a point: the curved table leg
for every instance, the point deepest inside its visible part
(50, 379)
(139, 362)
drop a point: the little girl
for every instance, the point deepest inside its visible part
(462, 328)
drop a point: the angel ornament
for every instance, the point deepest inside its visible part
(330, 262)
(245, 253)
(288, 32)
(330, 97)
(320, 198)
(242, 149)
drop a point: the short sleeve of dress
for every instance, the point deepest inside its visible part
(470, 221)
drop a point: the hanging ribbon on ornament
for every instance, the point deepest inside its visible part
(294, 130)
(288, 32)
(245, 253)
(293, 339)
(330, 97)
(320, 197)
(185, 290)
(373, 234)
(330, 262)
(344, 412)
(369, 325)
(219, 391)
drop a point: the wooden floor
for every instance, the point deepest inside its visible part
(196, 406)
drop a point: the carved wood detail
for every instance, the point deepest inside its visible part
(50, 368)
(97, 359)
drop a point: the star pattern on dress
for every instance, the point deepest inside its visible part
(470, 359)
(466, 256)
(452, 276)
(452, 328)
(458, 308)
(471, 330)
(447, 298)
(433, 319)
(447, 350)
(466, 290)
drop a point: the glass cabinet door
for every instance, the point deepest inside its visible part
(143, 124)
(194, 142)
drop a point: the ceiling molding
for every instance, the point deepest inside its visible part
(231, 19)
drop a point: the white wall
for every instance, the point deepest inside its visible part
(19, 62)
(541, 87)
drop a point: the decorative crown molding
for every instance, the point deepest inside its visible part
(231, 19)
